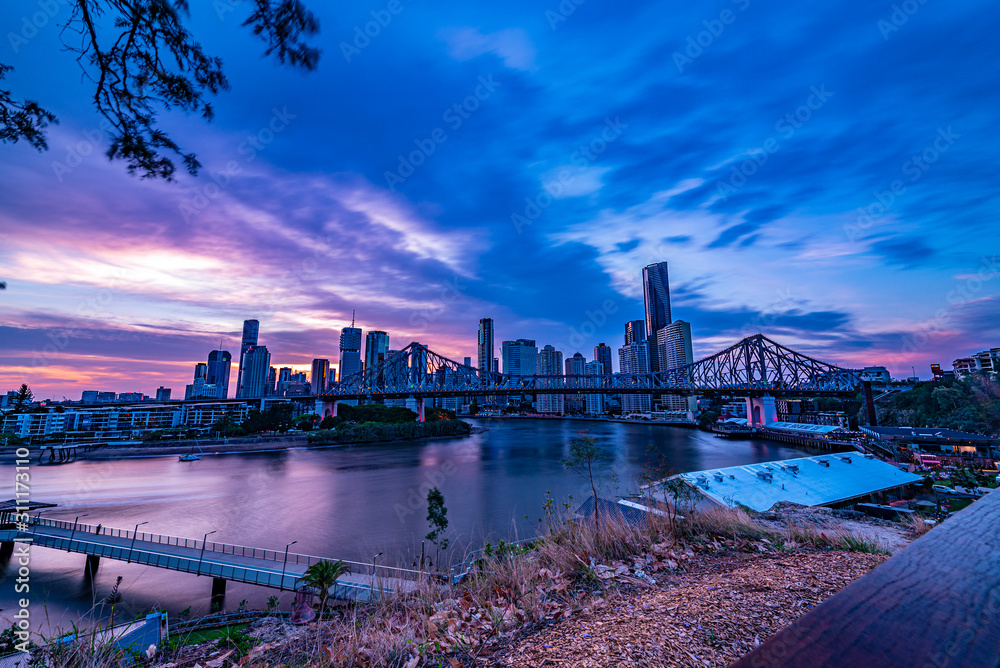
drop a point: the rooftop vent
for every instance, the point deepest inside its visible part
(792, 467)
(823, 462)
(846, 459)
(718, 476)
(766, 476)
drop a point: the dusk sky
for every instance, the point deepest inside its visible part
(752, 144)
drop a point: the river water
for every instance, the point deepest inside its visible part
(346, 503)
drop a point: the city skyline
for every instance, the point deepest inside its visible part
(841, 210)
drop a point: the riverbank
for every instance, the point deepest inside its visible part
(583, 418)
(233, 446)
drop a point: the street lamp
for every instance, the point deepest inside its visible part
(203, 540)
(281, 582)
(373, 571)
(74, 530)
(135, 532)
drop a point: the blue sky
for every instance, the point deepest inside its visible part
(753, 145)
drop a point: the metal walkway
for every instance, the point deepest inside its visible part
(222, 561)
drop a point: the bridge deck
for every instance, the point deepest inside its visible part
(218, 560)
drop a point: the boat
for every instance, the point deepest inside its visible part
(191, 456)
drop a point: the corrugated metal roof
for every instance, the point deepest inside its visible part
(809, 481)
(802, 427)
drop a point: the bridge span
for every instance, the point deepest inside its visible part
(222, 562)
(755, 367)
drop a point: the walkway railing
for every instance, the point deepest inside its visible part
(80, 531)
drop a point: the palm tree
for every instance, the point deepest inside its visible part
(323, 575)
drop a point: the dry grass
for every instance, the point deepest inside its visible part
(918, 525)
(509, 591)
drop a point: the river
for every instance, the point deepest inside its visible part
(346, 502)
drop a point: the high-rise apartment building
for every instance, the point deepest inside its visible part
(550, 363)
(350, 351)
(594, 403)
(575, 403)
(634, 330)
(674, 349)
(485, 345)
(602, 354)
(656, 296)
(220, 363)
(162, 393)
(376, 345)
(200, 371)
(634, 358)
(319, 376)
(251, 329)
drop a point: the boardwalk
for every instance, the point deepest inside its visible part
(220, 561)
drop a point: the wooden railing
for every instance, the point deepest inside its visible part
(936, 604)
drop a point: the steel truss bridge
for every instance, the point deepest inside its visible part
(756, 366)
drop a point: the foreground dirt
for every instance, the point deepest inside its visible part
(710, 616)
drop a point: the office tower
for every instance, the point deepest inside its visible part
(467, 361)
(257, 373)
(272, 382)
(594, 404)
(251, 328)
(319, 377)
(656, 295)
(162, 393)
(376, 343)
(674, 349)
(575, 403)
(350, 351)
(89, 397)
(634, 330)
(220, 363)
(550, 363)
(284, 379)
(200, 371)
(520, 358)
(485, 346)
(602, 354)
(634, 358)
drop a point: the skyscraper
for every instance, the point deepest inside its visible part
(520, 358)
(251, 328)
(485, 346)
(634, 330)
(200, 371)
(674, 349)
(350, 351)
(467, 361)
(602, 354)
(634, 358)
(549, 363)
(594, 402)
(376, 343)
(220, 363)
(319, 377)
(656, 295)
(256, 368)
(575, 403)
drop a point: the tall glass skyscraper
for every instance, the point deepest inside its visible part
(656, 295)
(251, 328)
(319, 378)
(350, 351)
(634, 330)
(376, 344)
(219, 364)
(256, 373)
(602, 354)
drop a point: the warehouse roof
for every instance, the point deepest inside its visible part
(803, 428)
(808, 481)
(924, 433)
